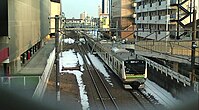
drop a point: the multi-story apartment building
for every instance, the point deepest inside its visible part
(122, 18)
(24, 25)
(164, 19)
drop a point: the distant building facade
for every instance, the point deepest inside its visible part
(122, 18)
(74, 23)
(104, 15)
(99, 10)
(83, 15)
(24, 25)
(105, 6)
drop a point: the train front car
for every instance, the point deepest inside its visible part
(135, 73)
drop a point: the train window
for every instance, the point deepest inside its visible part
(110, 59)
(113, 60)
(120, 66)
(135, 67)
(106, 55)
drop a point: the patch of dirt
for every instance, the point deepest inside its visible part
(69, 92)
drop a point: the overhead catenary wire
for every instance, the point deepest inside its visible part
(165, 54)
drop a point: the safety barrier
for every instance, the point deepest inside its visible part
(182, 48)
(41, 87)
(196, 87)
(19, 81)
(174, 75)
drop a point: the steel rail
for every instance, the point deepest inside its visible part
(137, 94)
(94, 82)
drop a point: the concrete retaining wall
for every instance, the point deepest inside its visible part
(41, 87)
(177, 89)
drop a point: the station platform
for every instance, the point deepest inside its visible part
(38, 62)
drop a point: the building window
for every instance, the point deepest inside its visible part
(143, 4)
(4, 18)
(159, 2)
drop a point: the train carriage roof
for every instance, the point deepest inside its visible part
(120, 53)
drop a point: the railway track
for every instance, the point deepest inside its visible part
(104, 99)
(104, 95)
(163, 98)
(142, 99)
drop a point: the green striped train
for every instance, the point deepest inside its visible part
(131, 71)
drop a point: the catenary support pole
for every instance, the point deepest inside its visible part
(57, 57)
(193, 46)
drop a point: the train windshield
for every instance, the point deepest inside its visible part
(135, 67)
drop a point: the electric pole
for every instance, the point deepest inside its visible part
(57, 57)
(193, 46)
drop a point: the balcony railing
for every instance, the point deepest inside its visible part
(173, 2)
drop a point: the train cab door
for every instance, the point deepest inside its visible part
(123, 74)
(145, 76)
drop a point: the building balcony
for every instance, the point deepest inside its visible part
(163, 5)
(145, 8)
(163, 19)
(138, 1)
(148, 7)
(173, 2)
(139, 20)
(139, 9)
(142, 20)
(146, 19)
(153, 19)
(173, 19)
(152, 6)
(145, 33)
(152, 35)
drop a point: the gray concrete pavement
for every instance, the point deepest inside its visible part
(38, 62)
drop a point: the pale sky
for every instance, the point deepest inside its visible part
(73, 8)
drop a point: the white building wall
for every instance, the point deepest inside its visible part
(106, 6)
(55, 10)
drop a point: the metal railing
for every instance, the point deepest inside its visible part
(182, 48)
(168, 72)
(19, 81)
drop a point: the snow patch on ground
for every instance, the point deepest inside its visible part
(69, 41)
(72, 59)
(162, 96)
(99, 65)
